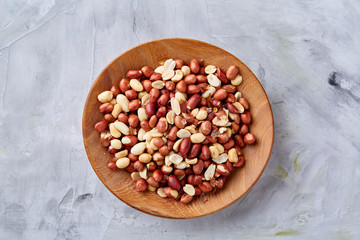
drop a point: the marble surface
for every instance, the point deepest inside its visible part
(305, 53)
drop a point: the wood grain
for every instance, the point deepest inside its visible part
(241, 180)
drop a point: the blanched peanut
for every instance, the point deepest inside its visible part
(105, 96)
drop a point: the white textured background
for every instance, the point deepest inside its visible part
(305, 53)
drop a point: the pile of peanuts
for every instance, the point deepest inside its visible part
(178, 129)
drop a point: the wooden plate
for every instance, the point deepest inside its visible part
(240, 181)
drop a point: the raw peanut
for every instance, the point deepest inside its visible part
(112, 166)
(115, 90)
(205, 152)
(145, 158)
(131, 94)
(114, 131)
(170, 117)
(169, 64)
(154, 94)
(229, 165)
(240, 162)
(124, 85)
(161, 192)
(230, 98)
(220, 182)
(161, 112)
(194, 66)
(171, 193)
(249, 139)
(112, 150)
(179, 63)
(193, 101)
(195, 112)
(229, 88)
(163, 99)
(164, 150)
(232, 72)
(182, 133)
(138, 166)
(205, 127)
(123, 101)
(181, 86)
(106, 107)
(158, 84)
(198, 167)
(185, 70)
(141, 185)
(158, 157)
(150, 109)
(202, 115)
(179, 172)
(153, 121)
(101, 126)
(209, 92)
(239, 141)
(216, 103)
(201, 79)
(151, 188)
(122, 162)
(244, 103)
(133, 121)
(178, 76)
(136, 85)
(205, 187)
(231, 107)
(155, 76)
(185, 146)
(116, 143)
(203, 102)
(238, 95)
(121, 154)
(245, 117)
(223, 170)
(129, 140)
(239, 107)
(133, 157)
(175, 106)
(195, 150)
(237, 81)
(173, 133)
(157, 175)
(244, 129)
(197, 191)
(220, 94)
(235, 128)
(135, 176)
(210, 69)
(151, 166)
(213, 80)
(221, 75)
(220, 121)
(170, 86)
(192, 89)
(223, 138)
(160, 69)
(174, 182)
(134, 105)
(189, 189)
(166, 169)
(167, 74)
(158, 142)
(142, 114)
(209, 173)
(133, 74)
(201, 62)
(138, 148)
(122, 128)
(229, 144)
(105, 96)
(145, 125)
(180, 122)
(190, 79)
(147, 71)
(186, 198)
(214, 152)
(197, 138)
(151, 181)
(109, 118)
(162, 125)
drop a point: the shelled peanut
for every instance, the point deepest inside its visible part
(178, 129)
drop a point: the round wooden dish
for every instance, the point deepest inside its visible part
(240, 181)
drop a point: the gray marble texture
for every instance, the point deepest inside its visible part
(305, 53)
